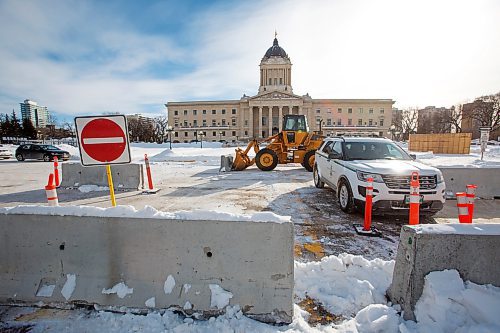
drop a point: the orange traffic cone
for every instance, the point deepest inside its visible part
(463, 209)
(414, 198)
(470, 193)
(50, 191)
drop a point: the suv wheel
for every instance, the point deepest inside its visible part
(344, 195)
(20, 157)
(46, 158)
(317, 179)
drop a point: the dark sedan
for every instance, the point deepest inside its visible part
(40, 152)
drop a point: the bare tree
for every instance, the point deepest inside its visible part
(409, 122)
(454, 118)
(487, 111)
(160, 129)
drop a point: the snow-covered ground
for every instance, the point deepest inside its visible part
(350, 287)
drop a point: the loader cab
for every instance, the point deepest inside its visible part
(295, 128)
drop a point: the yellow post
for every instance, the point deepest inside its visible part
(110, 184)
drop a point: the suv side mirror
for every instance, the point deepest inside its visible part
(334, 156)
(413, 156)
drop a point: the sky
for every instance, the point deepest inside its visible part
(91, 57)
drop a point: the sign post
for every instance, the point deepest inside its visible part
(103, 140)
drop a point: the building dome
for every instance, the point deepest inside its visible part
(275, 51)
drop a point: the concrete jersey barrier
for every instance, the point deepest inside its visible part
(486, 179)
(471, 249)
(125, 176)
(144, 263)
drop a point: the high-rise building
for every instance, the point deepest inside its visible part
(39, 115)
(261, 115)
(434, 120)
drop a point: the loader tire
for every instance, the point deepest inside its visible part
(266, 159)
(308, 161)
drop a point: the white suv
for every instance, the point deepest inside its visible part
(345, 164)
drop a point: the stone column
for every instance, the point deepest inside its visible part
(280, 119)
(259, 121)
(250, 123)
(270, 120)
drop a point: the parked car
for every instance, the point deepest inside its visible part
(40, 152)
(345, 164)
(5, 153)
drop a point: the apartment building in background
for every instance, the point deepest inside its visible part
(39, 115)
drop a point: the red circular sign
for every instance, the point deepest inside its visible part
(103, 140)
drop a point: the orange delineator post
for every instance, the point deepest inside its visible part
(56, 171)
(51, 192)
(148, 171)
(463, 207)
(414, 198)
(470, 194)
(368, 205)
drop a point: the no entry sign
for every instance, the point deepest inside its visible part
(103, 140)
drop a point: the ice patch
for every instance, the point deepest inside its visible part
(92, 188)
(187, 306)
(187, 286)
(46, 291)
(69, 287)
(169, 284)
(150, 303)
(120, 289)
(220, 297)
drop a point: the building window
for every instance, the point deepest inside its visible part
(223, 133)
(246, 123)
(339, 122)
(185, 112)
(329, 122)
(176, 113)
(233, 133)
(204, 122)
(360, 110)
(223, 111)
(214, 122)
(382, 111)
(281, 81)
(223, 122)
(176, 134)
(270, 81)
(246, 132)
(339, 110)
(233, 111)
(370, 122)
(233, 121)
(349, 122)
(318, 110)
(185, 133)
(370, 111)
(195, 123)
(214, 133)
(381, 122)
(214, 112)
(349, 110)
(264, 121)
(195, 112)
(185, 123)
(360, 122)
(204, 111)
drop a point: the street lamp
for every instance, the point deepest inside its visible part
(200, 137)
(220, 136)
(392, 130)
(169, 130)
(320, 123)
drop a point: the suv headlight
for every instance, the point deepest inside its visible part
(363, 176)
(440, 177)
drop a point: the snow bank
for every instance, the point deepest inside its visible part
(344, 284)
(458, 229)
(146, 212)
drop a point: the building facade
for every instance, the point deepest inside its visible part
(434, 120)
(39, 115)
(261, 115)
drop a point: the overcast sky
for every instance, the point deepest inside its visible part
(90, 57)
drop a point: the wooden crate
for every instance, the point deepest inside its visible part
(448, 143)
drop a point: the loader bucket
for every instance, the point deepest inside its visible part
(241, 160)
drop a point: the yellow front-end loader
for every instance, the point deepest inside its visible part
(295, 144)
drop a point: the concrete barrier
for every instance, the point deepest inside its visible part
(125, 176)
(141, 263)
(471, 249)
(486, 179)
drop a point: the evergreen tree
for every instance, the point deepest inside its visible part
(28, 131)
(15, 127)
(5, 126)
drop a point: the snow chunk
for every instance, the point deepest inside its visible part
(187, 286)
(92, 188)
(377, 318)
(46, 290)
(120, 289)
(458, 229)
(169, 284)
(69, 287)
(220, 297)
(150, 303)
(187, 306)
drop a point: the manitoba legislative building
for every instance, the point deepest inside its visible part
(261, 115)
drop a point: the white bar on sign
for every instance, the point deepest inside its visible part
(92, 141)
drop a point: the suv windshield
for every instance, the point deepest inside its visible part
(374, 151)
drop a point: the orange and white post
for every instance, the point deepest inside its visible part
(368, 205)
(463, 207)
(56, 171)
(414, 198)
(470, 194)
(51, 192)
(148, 171)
